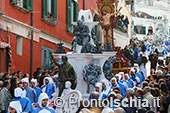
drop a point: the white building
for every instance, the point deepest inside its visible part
(151, 18)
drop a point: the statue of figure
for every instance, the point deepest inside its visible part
(82, 37)
(67, 89)
(107, 68)
(66, 73)
(106, 23)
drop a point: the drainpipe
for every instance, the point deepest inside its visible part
(31, 61)
(83, 4)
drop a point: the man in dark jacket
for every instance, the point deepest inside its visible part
(153, 59)
(5, 97)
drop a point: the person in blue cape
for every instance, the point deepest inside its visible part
(30, 93)
(121, 86)
(43, 102)
(34, 86)
(166, 42)
(24, 101)
(136, 52)
(113, 83)
(123, 81)
(127, 78)
(48, 87)
(147, 52)
(139, 75)
(137, 66)
(105, 89)
(98, 88)
(165, 54)
(15, 107)
(140, 56)
(134, 78)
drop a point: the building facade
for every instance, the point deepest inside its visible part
(151, 19)
(51, 22)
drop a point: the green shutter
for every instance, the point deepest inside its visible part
(29, 5)
(54, 10)
(69, 15)
(76, 11)
(135, 29)
(45, 14)
(25, 4)
(144, 30)
(14, 1)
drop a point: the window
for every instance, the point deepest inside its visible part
(50, 11)
(72, 11)
(140, 30)
(150, 2)
(19, 45)
(46, 58)
(27, 4)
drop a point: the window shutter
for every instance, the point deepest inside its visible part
(29, 5)
(14, 1)
(143, 30)
(25, 4)
(69, 15)
(54, 9)
(44, 15)
(76, 11)
(135, 29)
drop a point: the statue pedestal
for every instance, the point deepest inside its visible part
(80, 60)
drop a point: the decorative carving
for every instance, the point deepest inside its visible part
(91, 73)
(71, 102)
(107, 67)
(122, 63)
(60, 48)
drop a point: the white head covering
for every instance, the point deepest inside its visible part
(49, 79)
(141, 53)
(118, 76)
(106, 82)
(99, 85)
(132, 70)
(35, 81)
(18, 92)
(107, 110)
(121, 73)
(127, 75)
(42, 97)
(136, 65)
(114, 79)
(16, 105)
(25, 80)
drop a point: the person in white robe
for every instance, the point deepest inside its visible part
(43, 102)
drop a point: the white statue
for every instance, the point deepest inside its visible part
(67, 90)
(71, 100)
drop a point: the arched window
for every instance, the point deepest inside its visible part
(150, 30)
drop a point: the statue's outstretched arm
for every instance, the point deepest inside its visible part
(56, 63)
(112, 14)
(96, 12)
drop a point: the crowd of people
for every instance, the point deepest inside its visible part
(19, 94)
